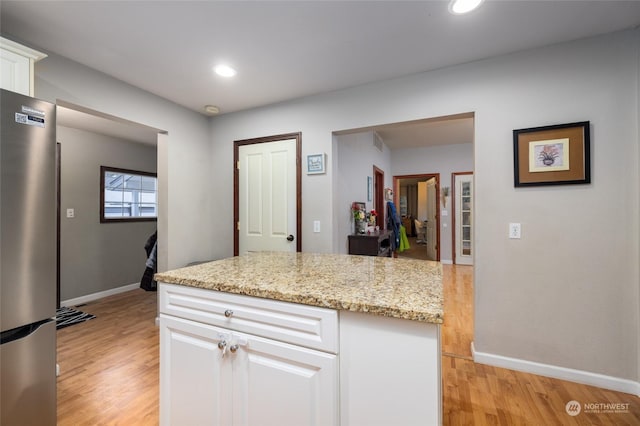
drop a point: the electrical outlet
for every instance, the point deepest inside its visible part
(71, 213)
(515, 230)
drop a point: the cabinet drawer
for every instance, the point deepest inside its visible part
(302, 325)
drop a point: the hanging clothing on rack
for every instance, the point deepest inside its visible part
(151, 248)
(404, 241)
(393, 224)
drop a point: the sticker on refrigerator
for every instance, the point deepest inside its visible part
(29, 120)
(32, 111)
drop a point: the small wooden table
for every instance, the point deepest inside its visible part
(377, 243)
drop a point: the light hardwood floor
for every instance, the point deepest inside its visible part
(109, 365)
(110, 371)
(417, 251)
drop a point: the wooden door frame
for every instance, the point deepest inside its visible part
(426, 176)
(236, 184)
(453, 213)
(378, 196)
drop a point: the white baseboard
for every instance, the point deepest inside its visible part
(91, 297)
(547, 370)
(446, 261)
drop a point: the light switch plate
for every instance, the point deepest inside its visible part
(316, 226)
(515, 230)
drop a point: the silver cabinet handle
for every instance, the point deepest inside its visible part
(228, 313)
(222, 345)
(233, 348)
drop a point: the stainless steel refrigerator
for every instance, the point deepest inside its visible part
(27, 261)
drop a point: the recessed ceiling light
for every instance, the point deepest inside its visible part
(225, 71)
(458, 7)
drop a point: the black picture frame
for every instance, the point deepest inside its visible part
(552, 155)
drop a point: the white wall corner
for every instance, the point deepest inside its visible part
(555, 372)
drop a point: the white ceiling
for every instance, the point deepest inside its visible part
(289, 49)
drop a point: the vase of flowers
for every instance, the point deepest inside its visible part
(359, 218)
(373, 217)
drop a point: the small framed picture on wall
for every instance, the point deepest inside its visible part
(316, 164)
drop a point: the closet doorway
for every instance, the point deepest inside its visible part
(417, 199)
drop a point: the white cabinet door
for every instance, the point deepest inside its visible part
(278, 384)
(258, 382)
(195, 383)
(16, 66)
(14, 72)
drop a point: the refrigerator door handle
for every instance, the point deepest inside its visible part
(22, 332)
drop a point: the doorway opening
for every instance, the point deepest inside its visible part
(417, 199)
(438, 146)
(87, 248)
(462, 217)
(378, 196)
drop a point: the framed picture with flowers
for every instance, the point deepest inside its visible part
(552, 155)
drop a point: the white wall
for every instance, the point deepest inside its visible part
(186, 220)
(567, 293)
(94, 256)
(356, 155)
(443, 159)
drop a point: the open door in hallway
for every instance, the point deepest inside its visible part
(417, 199)
(463, 227)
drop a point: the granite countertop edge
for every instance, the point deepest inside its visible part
(301, 293)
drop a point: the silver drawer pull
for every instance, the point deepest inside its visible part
(222, 345)
(228, 313)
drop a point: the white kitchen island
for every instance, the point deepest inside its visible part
(293, 339)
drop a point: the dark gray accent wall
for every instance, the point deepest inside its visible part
(94, 256)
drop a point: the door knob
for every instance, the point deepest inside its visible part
(290, 238)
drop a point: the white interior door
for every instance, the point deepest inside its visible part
(422, 201)
(432, 205)
(464, 219)
(267, 196)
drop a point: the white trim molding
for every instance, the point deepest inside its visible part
(553, 371)
(95, 296)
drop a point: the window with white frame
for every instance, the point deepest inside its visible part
(128, 195)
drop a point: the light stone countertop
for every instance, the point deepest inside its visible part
(393, 287)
